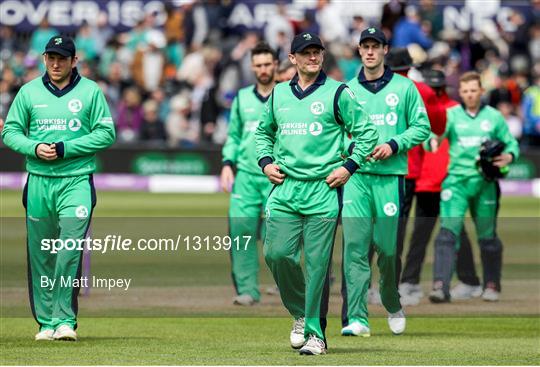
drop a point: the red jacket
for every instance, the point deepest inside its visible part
(435, 165)
(437, 119)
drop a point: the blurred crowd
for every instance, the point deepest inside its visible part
(173, 85)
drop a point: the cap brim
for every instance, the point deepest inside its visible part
(302, 48)
(381, 41)
(60, 51)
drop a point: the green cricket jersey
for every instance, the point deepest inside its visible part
(77, 119)
(466, 133)
(246, 112)
(302, 131)
(395, 107)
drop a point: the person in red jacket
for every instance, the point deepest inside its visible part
(399, 60)
(427, 192)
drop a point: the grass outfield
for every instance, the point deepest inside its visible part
(153, 323)
(233, 341)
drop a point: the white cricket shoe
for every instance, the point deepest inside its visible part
(410, 289)
(272, 291)
(46, 334)
(490, 295)
(356, 329)
(297, 333)
(397, 322)
(244, 300)
(65, 332)
(374, 297)
(465, 291)
(409, 300)
(314, 346)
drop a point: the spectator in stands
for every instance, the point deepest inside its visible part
(130, 116)
(330, 30)
(40, 37)
(279, 31)
(149, 61)
(86, 43)
(531, 113)
(429, 12)
(515, 125)
(101, 32)
(408, 30)
(180, 131)
(152, 129)
(392, 12)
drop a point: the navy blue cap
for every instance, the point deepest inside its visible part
(374, 34)
(62, 45)
(304, 40)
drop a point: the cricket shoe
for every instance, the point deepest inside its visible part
(244, 300)
(313, 347)
(374, 297)
(297, 333)
(356, 329)
(397, 322)
(272, 291)
(438, 296)
(409, 300)
(65, 332)
(465, 291)
(46, 334)
(490, 295)
(410, 289)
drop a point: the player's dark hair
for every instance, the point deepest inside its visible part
(263, 48)
(470, 76)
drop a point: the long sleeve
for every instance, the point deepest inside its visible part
(364, 134)
(102, 133)
(15, 130)
(234, 135)
(418, 128)
(265, 135)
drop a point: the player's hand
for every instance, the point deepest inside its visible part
(381, 152)
(274, 174)
(434, 144)
(502, 160)
(227, 178)
(338, 177)
(46, 152)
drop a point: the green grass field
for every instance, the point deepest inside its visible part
(179, 309)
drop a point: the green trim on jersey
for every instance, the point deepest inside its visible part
(466, 133)
(246, 112)
(398, 113)
(80, 119)
(302, 135)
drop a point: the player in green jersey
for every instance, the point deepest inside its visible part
(373, 196)
(58, 122)
(299, 147)
(467, 127)
(250, 188)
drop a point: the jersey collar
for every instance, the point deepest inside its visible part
(259, 96)
(482, 105)
(375, 86)
(73, 81)
(299, 93)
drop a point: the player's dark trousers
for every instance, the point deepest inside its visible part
(302, 214)
(57, 208)
(481, 198)
(426, 214)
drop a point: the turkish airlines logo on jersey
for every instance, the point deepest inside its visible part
(392, 100)
(74, 124)
(391, 118)
(317, 108)
(315, 128)
(75, 105)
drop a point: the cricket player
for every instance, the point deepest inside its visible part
(299, 147)
(58, 122)
(467, 127)
(250, 187)
(373, 197)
